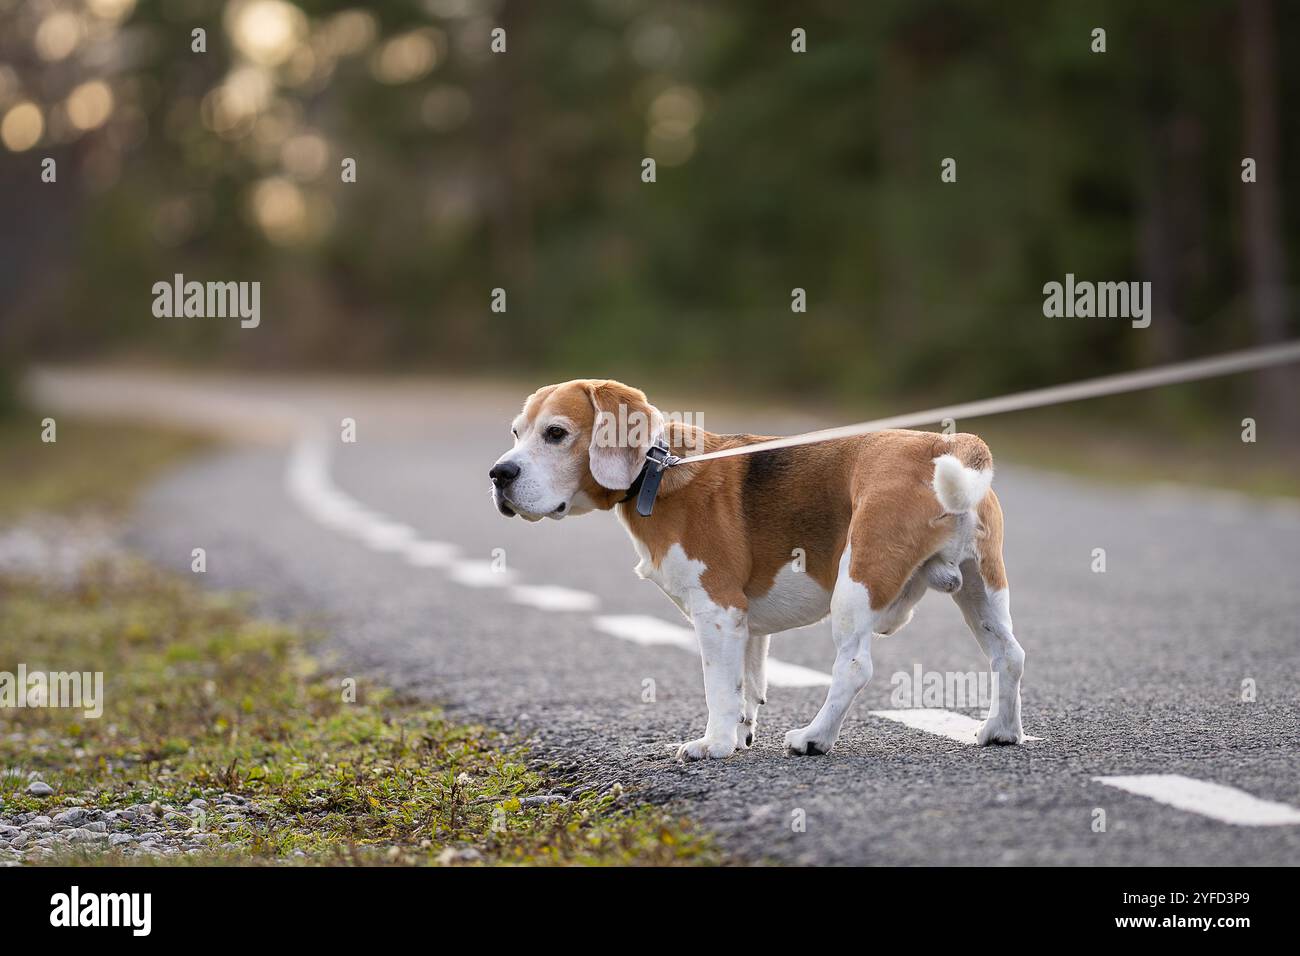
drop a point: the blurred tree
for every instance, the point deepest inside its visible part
(1265, 255)
(776, 169)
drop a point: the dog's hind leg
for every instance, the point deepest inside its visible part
(985, 603)
(755, 686)
(852, 624)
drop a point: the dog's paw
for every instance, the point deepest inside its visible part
(996, 732)
(705, 749)
(804, 743)
(745, 734)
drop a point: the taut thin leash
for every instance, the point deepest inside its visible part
(659, 460)
(1244, 361)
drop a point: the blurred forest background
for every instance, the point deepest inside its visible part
(776, 170)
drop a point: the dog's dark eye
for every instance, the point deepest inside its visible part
(515, 432)
(555, 433)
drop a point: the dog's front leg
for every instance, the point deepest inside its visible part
(723, 633)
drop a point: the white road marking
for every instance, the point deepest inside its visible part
(430, 554)
(1214, 800)
(937, 721)
(388, 536)
(646, 630)
(546, 597)
(933, 720)
(784, 674)
(480, 574)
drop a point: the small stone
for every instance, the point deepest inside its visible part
(198, 804)
(541, 799)
(119, 839)
(70, 818)
(38, 823)
(39, 788)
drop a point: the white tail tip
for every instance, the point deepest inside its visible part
(958, 488)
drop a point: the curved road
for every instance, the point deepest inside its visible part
(392, 546)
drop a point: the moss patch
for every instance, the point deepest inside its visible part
(201, 700)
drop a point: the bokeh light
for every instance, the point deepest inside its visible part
(267, 32)
(406, 57)
(90, 105)
(279, 208)
(114, 10)
(22, 127)
(58, 35)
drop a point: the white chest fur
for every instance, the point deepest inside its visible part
(677, 575)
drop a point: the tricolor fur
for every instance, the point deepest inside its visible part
(747, 546)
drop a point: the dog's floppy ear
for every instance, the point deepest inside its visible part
(624, 427)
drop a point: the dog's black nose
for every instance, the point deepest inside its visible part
(503, 473)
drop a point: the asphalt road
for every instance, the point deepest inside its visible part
(1137, 670)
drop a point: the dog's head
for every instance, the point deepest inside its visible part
(575, 445)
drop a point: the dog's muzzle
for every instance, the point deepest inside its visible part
(503, 475)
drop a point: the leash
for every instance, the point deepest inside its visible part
(658, 459)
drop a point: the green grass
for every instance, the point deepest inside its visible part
(201, 698)
(95, 466)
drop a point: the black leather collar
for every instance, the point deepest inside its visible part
(645, 488)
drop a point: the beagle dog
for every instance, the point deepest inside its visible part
(747, 546)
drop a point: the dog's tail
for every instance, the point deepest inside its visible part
(963, 475)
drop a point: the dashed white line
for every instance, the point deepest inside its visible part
(546, 597)
(388, 536)
(430, 554)
(643, 629)
(933, 720)
(784, 674)
(1214, 800)
(480, 574)
(646, 630)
